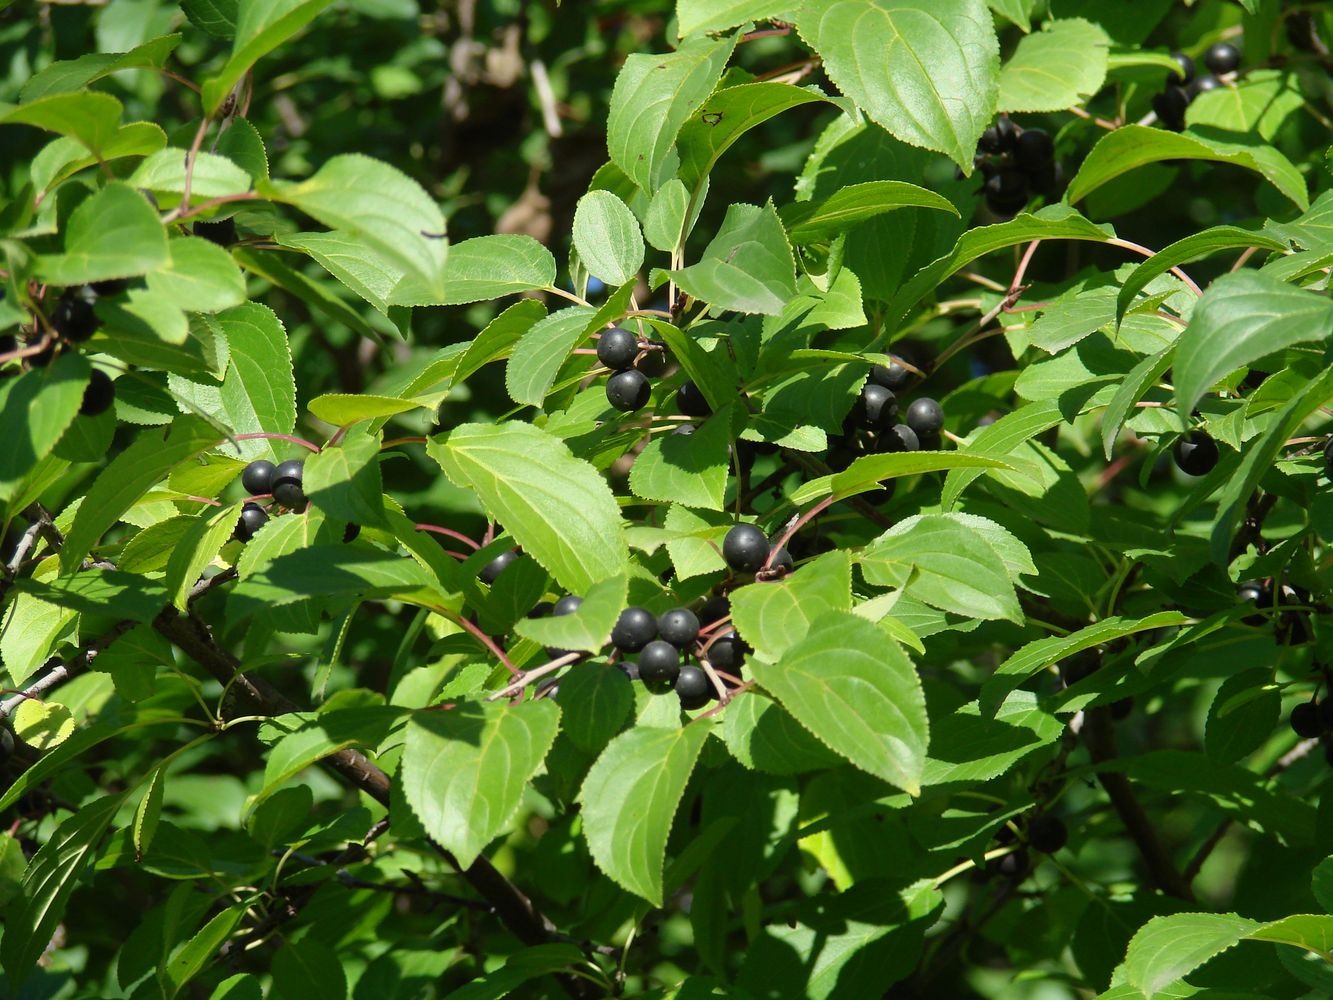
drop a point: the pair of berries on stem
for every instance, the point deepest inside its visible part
(628, 389)
(282, 482)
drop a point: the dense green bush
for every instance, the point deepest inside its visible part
(746, 498)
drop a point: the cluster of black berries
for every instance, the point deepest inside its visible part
(1170, 104)
(1291, 625)
(632, 363)
(1016, 163)
(261, 478)
(660, 643)
(73, 321)
(873, 425)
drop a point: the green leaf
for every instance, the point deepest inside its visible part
(127, 478)
(595, 700)
(947, 562)
(1132, 146)
(90, 118)
(856, 690)
(308, 967)
(774, 616)
(344, 409)
(31, 920)
(197, 952)
(498, 337)
(1244, 714)
(542, 350)
(489, 267)
(1183, 251)
(465, 768)
(217, 17)
(927, 70)
(43, 725)
(967, 746)
(654, 95)
(197, 549)
(868, 471)
(1167, 948)
(607, 238)
(748, 267)
(35, 410)
(368, 200)
(1241, 318)
(1134, 387)
(727, 115)
(102, 592)
(813, 221)
(67, 75)
(214, 176)
(199, 274)
(114, 234)
(664, 222)
(629, 798)
(556, 506)
(261, 26)
(521, 967)
(998, 439)
(147, 813)
(1260, 101)
(366, 272)
(345, 481)
(686, 468)
(1059, 67)
(259, 390)
(589, 627)
(697, 17)
(31, 628)
(763, 736)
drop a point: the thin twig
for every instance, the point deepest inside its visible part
(523, 678)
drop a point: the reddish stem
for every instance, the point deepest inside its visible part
(279, 437)
(449, 533)
(801, 521)
(486, 641)
(392, 442)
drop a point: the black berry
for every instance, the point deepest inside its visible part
(1305, 720)
(891, 376)
(679, 626)
(1186, 65)
(999, 138)
(1202, 85)
(617, 348)
(1222, 58)
(925, 416)
(541, 609)
(899, 437)
(628, 391)
(496, 566)
(99, 395)
(634, 629)
(693, 687)
(728, 652)
(782, 561)
(659, 666)
(690, 401)
(1196, 453)
(287, 484)
(73, 318)
(350, 532)
(653, 363)
(875, 407)
(1033, 150)
(1047, 833)
(257, 477)
(1014, 865)
(714, 610)
(745, 548)
(252, 519)
(567, 605)
(1006, 192)
(1170, 105)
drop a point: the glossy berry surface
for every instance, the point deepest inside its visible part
(617, 348)
(74, 318)
(1186, 65)
(892, 376)
(1222, 58)
(252, 519)
(567, 605)
(496, 566)
(653, 363)
(257, 477)
(634, 629)
(679, 626)
(727, 653)
(1305, 720)
(628, 391)
(1170, 105)
(1202, 85)
(287, 484)
(1047, 833)
(690, 401)
(659, 665)
(1196, 454)
(745, 548)
(875, 407)
(782, 560)
(1034, 150)
(999, 138)
(693, 687)
(1014, 864)
(899, 437)
(714, 609)
(1006, 192)
(99, 395)
(925, 416)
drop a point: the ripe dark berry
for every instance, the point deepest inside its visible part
(693, 687)
(496, 566)
(1015, 864)
(690, 401)
(899, 437)
(567, 605)
(541, 609)
(679, 626)
(1186, 65)
(628, 391)
(653, 363)
(617, 348)
(1006, 192)
(782, 561)
(252, 519)
(875, 407)
(925, 416)
(1033, 150)
(891, 376)
(1202, 85)
(43, 357)
(728, 652)
(287, 484)
(1305, 720)
(1222, 58)
(745, 548)
(1047, 833)
(1196, 454)
(659, 666)
(999, 138)
(350, 532)
(99, 395)
(1170, 105)
(257, 477)
(714, 610)
(634, 629)
(73, 318)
